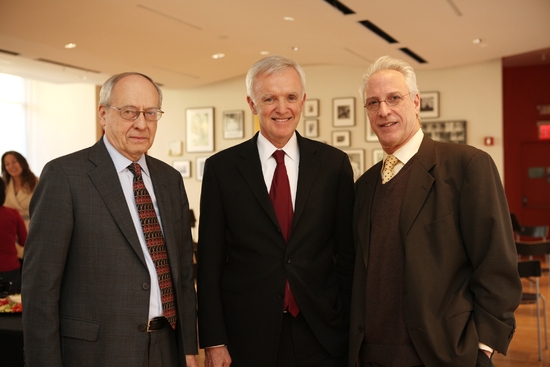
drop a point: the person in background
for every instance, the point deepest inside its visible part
(12, 230)
(20, 184)
(435, 280)
(108, 272)
(274, 276)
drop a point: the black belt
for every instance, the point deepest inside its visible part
(157, 323)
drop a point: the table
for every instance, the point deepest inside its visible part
(11, 340)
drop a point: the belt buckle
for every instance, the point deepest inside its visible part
(149, 325)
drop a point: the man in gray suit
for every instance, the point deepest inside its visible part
(91, 294)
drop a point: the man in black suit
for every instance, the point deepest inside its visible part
(268, 297)
(435, 281)
(91, 293)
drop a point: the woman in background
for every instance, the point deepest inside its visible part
(12, 230)
(20, 185)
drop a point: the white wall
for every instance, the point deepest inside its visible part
(65, 115)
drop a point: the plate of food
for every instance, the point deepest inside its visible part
(11, 304)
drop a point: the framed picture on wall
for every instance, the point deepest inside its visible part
(200, 167)
(200, 129)
(184, 167)
(311, 108)
(341, 138)
(452, 131)
(233, 124)
(369, 134)
(343, 111)
(311, 128)
(429, 104)
(357, 160)
(377, 156)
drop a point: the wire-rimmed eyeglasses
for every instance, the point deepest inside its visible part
(392, 99)
(132, 113)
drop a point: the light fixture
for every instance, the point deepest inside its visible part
(478, 41)
(294, 48)
(70, 45)
(264, 52)
(218, 56)
(288, 19)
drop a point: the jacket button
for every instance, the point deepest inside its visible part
(145, 286)
(142, 328)
(280, 296)
(287, 260)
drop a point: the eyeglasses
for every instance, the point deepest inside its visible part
(392, 99)
(132, 113)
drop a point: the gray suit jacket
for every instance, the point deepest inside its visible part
(461, 280)
(86, 286)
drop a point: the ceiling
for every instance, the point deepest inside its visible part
(173, 40)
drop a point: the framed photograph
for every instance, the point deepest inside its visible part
(343, 111)
(200, 167)
(175, 148)
(233, 124)
(311, 108)
(184, 167)
(369, 134)
(377, 156)
(452, 131)
(341, 138)
(357, 160)
(429, 104)
(200, 129)
(311, 128)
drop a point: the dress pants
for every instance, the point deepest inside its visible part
(162, 349)
(298, 346)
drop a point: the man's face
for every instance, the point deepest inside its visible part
(278, 102)
(394, 125)
(131, 138)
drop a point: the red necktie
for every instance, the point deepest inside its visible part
(155, 243)
(282, 203)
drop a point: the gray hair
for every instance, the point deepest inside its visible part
(270, 65)
(389, 63)
(106, 93)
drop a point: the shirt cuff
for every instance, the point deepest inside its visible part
(486, 348)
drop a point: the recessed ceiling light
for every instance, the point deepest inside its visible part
(290, 19)
(478, 41)
(294, 48)
(70, 45)
(218, 56)
(264, 52)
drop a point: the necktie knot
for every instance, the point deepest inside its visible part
(279, 156)
(389, 164)
(135, 168)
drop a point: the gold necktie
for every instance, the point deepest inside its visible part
(387, 172)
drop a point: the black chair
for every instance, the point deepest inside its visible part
(539, 232)
(531, 270)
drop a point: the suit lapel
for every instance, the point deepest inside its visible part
(363, 205)
(105, 179)
(419, 185)
(250, 168)
(307, 173)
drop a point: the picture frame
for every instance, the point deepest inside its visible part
(233, 124)
(377, 156)
(175, 148)
(199, 129)
(184, 167)
(311, 128)
(451, 131)
(311, 108)
(429, 105)
(200, 161)
(341, 138)
(357, 160)
(343, 112)
(369, 133)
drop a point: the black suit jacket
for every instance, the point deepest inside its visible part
(86, 285)
(461, 280)
(244, 261)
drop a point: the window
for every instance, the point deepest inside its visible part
(13, 121)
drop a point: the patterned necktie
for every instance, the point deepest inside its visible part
(387, 172)
(155, 243)
(282, 203)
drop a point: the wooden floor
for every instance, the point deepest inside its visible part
(523, 351)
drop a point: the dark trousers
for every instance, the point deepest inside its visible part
(298, 346)
(162, 349)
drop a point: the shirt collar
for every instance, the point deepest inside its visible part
(120, 161)
(410, 148)
(266, 149)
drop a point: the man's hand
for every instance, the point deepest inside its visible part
(191, 360)
(217, 357)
